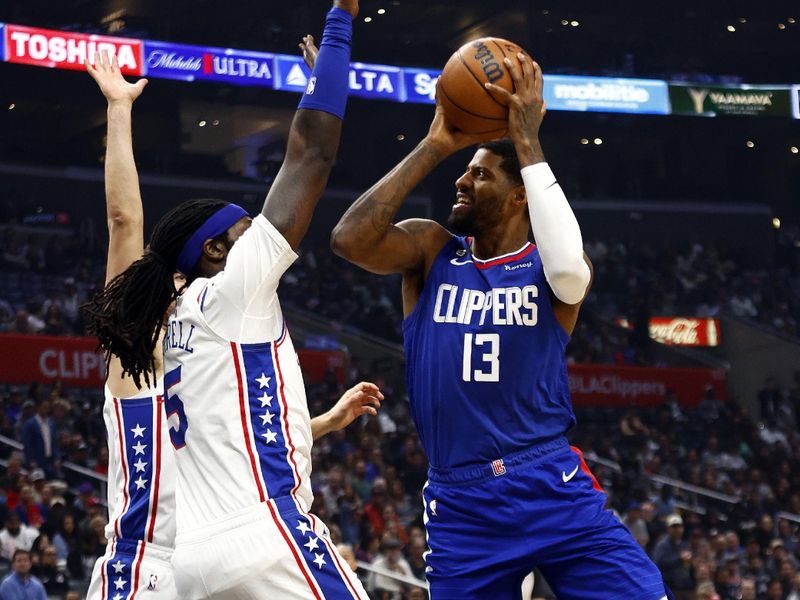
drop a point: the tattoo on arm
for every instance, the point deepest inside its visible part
(382, 215)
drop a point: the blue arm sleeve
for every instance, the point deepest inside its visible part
(327, 89)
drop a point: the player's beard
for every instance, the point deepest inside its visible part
(463, 224)
(477, 219)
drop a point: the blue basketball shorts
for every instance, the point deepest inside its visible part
(489, 525)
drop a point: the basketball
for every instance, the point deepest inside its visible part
(469, 106)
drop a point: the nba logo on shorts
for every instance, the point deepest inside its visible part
(498, 468)
(152, 584)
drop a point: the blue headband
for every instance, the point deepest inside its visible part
(217, 223)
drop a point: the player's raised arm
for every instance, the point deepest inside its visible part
(123, 199)
(367, 236)
(557, 233)
(315, 131)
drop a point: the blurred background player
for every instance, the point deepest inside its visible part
(487, 319)
(141, 462)
(235, 398)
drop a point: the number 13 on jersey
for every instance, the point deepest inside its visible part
(486, 347)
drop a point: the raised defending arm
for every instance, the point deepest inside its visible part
(123, 199)
(315, 131)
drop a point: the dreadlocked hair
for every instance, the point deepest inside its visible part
(127, 315)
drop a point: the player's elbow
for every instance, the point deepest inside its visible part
(569, 284)
(119, 221)
(344, 243)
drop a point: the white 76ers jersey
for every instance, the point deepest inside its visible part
(141, 471)
(236, 403)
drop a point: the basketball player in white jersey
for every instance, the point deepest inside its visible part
(362, 399)
(141, 462)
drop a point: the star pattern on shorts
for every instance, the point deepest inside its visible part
(266, 400)
(263, 381)
(140, 466)
(319, 560)
(141, 483)
(312, 543)
(119, 583)
(270, 436)
(267, 418)
(119, 566)
(138, 431)
(303, 527)
(139, 448)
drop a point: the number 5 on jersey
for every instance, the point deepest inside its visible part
(176, 416)
(490, 371)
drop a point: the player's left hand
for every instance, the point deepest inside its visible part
(105, 71)
(309, 49)
(526, 106)
(362, 399)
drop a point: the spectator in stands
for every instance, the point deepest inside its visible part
(53, 577)
(749, 589)
(65, 539)
(674, 559)
(636, 525)
(16, 536)
(770, 400)
(386, 588)
(39, 440)
(27, 510)
(21, 585)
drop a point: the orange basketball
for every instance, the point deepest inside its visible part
(469, 106)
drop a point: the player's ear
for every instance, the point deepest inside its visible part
(520, 197)
(215, 250)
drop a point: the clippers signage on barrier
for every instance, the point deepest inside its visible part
(681, 331)
(366, 81)
(73, 361)
(610, 385)
(604, 94)
(740, 100)
(420, 85)
(63, 50)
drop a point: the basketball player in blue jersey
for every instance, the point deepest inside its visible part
(487, 319)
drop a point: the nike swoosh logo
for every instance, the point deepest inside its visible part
(566, 477)
(460, 263)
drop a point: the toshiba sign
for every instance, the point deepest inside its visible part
(59, 49)
(681, 331)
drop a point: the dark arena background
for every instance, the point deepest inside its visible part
(673, 129)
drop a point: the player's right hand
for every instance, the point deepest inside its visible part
(309, 49)
(445, 137)
(105, 71)
(350, 6)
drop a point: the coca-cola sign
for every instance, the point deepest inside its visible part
(63, 50)
(681, 331)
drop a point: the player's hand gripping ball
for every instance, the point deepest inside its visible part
(468, 105)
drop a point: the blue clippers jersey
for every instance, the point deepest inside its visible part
(485, 368)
